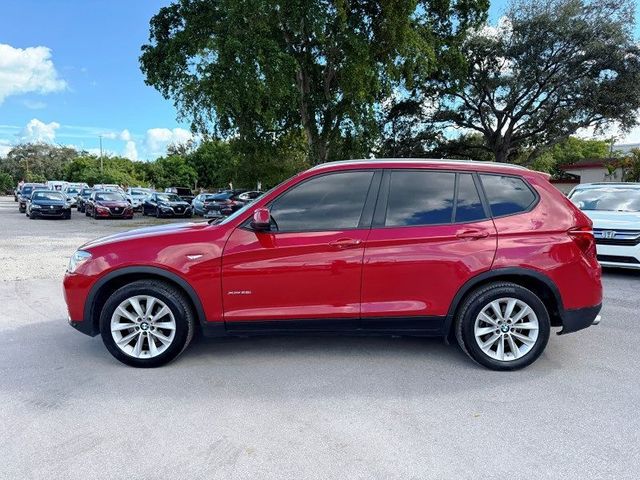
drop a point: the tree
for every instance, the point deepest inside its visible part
(266, 69)
(6, 183)
(31, 161)
(550, 68)
(173, 171)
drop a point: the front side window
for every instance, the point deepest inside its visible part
(507, 195)
(327, 202)
(420, 198)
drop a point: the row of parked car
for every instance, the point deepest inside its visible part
(56, 199)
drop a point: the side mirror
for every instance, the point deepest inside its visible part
(261, 220)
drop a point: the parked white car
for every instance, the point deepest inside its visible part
(136, 196)
(614, 209)
(57, 185)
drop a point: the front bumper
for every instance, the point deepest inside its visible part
(580, 318)
(619, 256)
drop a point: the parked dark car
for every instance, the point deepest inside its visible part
(83, 196)
(105, 204)
(16, 193)
(225, 203)
(48, 204)
(25, 194)
(166, 205)
(183, 192)
(199, 203)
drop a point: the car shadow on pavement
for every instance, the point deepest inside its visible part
(58, 364)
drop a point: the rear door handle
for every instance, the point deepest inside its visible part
(473, 234)
(345, 243)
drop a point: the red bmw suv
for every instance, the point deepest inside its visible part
(489, 255)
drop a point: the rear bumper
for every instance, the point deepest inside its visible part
(580, 318)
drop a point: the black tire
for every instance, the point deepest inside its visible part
(67, 216)
(32, 216)
(94, 214)
(86, 213)
(22, 210)
(177, 303)
(158, 214)
(144, 212)
(473, 305)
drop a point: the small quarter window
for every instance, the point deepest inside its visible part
(468, 206)
(507, 195)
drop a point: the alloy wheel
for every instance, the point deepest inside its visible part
(143, 326)
(506, 329)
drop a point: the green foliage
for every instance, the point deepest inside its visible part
(37, 161)
(570, 151)
(6, 183)
(268, 69)
(173, 171)
(552, 67)
(631, 166)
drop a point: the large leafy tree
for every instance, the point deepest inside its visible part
(261, 69)
(549, 69)
(37, 161)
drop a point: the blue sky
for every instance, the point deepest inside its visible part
(69, 72)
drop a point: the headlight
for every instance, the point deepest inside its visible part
(77, 259)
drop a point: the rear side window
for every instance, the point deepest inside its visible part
(468, 205)
(327, 202)
(420, 198)
(507, 195)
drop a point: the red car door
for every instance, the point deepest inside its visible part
(431, 233)
(309, 266)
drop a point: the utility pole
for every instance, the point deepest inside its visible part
(100, 136)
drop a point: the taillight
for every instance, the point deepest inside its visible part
(583, 236)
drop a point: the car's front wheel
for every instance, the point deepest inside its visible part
(147, 323)
(503, 326)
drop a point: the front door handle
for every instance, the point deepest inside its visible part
(473, 234)
(345, 243)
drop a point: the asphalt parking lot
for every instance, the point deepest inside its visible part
(316, 408)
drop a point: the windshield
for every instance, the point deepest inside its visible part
(139, 193)
(72, 191)
(47, 196)
(109, 197)
(168, 197)
(86, 192)
(221, 196)
(610, 199)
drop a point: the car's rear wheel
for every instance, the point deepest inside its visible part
(146, 323)
(158, 214)
(503, 326)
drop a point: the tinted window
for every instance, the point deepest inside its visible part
(420, 198)
(468, 205)
(109, 197)
(46, 196)
(507, 195)
(328, 202)
(168, 197)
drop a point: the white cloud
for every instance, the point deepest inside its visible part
(24, 70)
(158, 139)
(5, 146)
(37, 131)
(34, 104)
(130, 150)
(125, 135)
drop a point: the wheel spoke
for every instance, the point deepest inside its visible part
(153, 350)
(514, 348)
(511, 303)
(526, 310)
(163, 311)
(165, 325)
(484, 331)
(123, 312)
(489, 343)
(500, 351)
(526, 326)
(135, 303)
(122, 326)
(149, 306)
(488, 319)
(126, 339)
(137, 349)
(495, 306)
(524, 339)
(164, 339)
